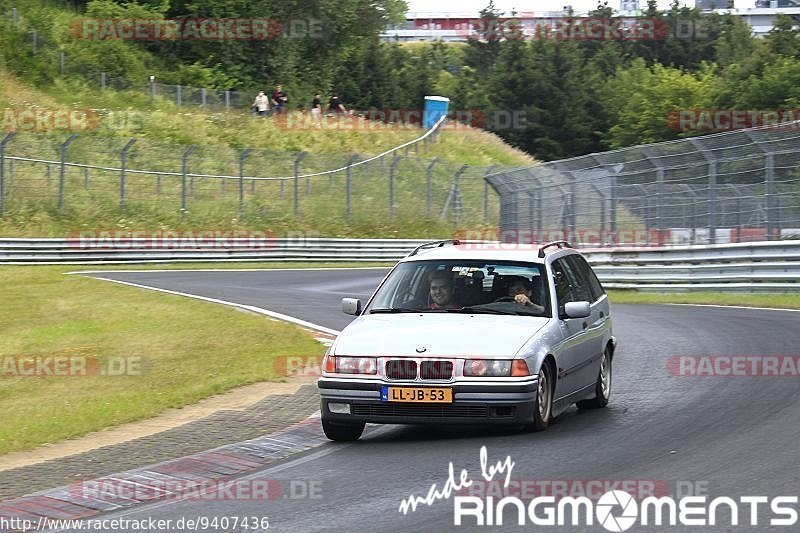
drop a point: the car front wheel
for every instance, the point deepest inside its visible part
(544, 399)
(343, 432)
(602, 388)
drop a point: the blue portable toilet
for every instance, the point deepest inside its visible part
(435, 108)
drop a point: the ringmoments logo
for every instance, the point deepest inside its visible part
(615, 510)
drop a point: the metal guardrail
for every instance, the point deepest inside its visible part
(751, 267)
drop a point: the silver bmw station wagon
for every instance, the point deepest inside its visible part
(463, 335)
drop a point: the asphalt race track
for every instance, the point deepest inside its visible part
(726, 436)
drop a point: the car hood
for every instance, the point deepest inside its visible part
(441, 334)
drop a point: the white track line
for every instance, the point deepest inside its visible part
(736, 307)
(254, 309)
(221, 270)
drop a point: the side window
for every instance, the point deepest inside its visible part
(587, 285)
(564, 290)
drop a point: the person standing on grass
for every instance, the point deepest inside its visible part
(279, 99)
(316, 110)
(261, 104)
(336, 106)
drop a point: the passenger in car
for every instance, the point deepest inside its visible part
(441, 291)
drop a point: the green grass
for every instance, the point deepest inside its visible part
(190, 350)
(782, 301)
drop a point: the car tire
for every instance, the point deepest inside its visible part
(602, 388)
(342, 431)
(543, 409)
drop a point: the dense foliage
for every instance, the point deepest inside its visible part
(575, 96)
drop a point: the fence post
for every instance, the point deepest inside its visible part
(61, 61)
(14, 15)
(63, 169)
(35, 40)
(612, 206)
(429, 186)
(602, 213)
(123, 159)
(769, 181)
(712, 189)
(652, 158)
(769, 177)
(737, 196)
(454, 196)
(392, 169)
(348, 181)
(486, 193)
(227, 100)
(184, 167)
(102, 81)
(297, 160)
(202, 97)
(539, 194)
(152, 88)
(3, 143)
(178, 95)
(242, 157)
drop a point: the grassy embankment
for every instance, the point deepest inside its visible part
(164, 131)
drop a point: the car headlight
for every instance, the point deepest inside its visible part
(350, 365)
(495, 368)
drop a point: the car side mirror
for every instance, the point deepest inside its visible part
(577, 309)
(351, 306)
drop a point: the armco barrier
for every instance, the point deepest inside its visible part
(772, 266)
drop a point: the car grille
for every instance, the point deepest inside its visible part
(435, 411)
(401, 369)
(436, 370)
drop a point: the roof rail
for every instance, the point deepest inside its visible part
(559, 244)
(434, 244)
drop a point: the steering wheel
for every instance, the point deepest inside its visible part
(410, 301)
(505, 299)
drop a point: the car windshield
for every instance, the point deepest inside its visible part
(502, 287)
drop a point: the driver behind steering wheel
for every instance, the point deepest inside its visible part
(520, 289)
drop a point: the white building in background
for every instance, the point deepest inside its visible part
(454, 27)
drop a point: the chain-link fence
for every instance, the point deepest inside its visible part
(88, 176)
(729, 187)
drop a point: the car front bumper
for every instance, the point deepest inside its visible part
(473, 403)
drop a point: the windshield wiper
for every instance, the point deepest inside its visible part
(395, 310)
(481, 310)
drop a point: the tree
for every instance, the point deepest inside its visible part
(783, 38)
(642, 100)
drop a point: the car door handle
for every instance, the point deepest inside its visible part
(602, 314)
(585, 324)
